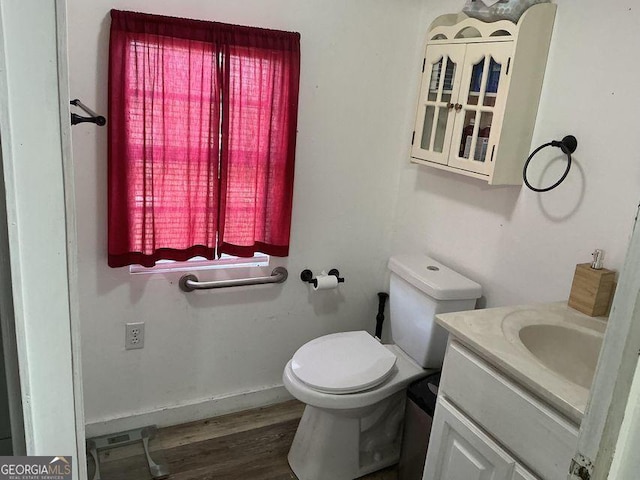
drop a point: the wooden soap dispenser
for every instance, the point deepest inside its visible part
(593, 286)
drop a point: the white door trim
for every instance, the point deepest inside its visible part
(34, 127)
(601, 425)
(71, 233)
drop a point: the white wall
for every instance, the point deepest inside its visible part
(520, 245)
(353, 109)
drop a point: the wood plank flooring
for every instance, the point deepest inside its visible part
(250, 445)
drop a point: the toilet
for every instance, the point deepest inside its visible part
(354, 386)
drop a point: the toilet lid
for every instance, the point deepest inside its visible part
(343, 363)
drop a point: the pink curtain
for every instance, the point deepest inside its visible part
(202, 124)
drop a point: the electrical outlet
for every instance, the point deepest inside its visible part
(134, 335)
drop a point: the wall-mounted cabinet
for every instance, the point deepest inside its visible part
(479, 94)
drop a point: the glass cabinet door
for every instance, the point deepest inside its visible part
(481, 105)
(436, 107)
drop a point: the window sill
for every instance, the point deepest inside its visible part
(226, 262)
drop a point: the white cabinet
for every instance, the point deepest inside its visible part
(458, 110)
(438, 97)
(479, 94)
(487, 427)
(465, 452)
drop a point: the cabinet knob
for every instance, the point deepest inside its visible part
(450, 106)
(458, 107)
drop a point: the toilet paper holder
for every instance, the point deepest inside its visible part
(307, 276)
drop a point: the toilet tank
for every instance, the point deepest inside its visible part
(421, 288)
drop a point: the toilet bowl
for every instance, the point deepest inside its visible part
(403, 372)
(354, 387)
(348, 435)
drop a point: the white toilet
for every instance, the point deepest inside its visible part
(354, 386)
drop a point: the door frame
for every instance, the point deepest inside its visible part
(38, 178)
(601, 426)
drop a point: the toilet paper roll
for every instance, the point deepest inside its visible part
(326, 282)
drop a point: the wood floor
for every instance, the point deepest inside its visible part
(250, 445)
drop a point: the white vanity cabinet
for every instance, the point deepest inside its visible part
(464, 451)
(479, 94)
(487, 427)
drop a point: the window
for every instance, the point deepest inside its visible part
(201, 139)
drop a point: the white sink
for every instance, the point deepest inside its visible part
(550, 349)
(570, 352)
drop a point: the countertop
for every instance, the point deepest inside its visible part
(493, 334)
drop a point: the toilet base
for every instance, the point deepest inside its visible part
(347, 444)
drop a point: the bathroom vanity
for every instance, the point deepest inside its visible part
(514, 388)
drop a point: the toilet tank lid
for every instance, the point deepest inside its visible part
(433, 278)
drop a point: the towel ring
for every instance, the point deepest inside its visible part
(568, 145)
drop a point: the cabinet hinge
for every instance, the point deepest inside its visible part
(508, 66)
(413, 137)
(424, 62)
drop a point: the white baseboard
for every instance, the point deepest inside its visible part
(189, 412)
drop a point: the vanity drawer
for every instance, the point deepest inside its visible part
(539, 436)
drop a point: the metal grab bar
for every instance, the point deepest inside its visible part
(189, 282)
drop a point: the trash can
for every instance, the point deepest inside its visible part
(421, 404)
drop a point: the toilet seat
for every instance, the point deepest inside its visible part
(343, 363)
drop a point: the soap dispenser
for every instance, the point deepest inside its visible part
(593, 287)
